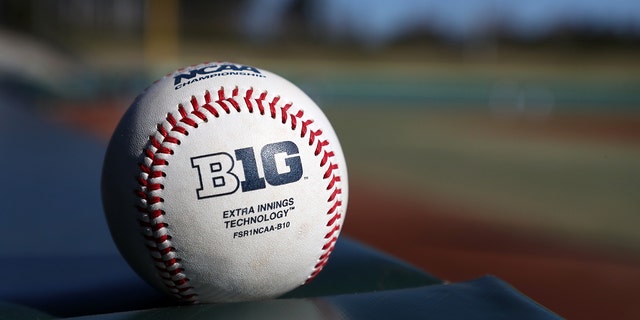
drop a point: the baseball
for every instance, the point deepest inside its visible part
(224, 182)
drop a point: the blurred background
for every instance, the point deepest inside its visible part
(482, 137)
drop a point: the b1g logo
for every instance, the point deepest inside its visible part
(281, 164)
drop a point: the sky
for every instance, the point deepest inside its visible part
(380, 21)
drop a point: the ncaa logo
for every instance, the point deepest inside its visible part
(281, 165)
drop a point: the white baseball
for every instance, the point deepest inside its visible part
(224, 182)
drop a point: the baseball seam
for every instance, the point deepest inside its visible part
(160, 147)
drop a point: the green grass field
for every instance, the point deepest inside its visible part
(423, 120)
(573, 186)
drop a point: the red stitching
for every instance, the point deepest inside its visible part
(321, 144)
(154, 200)
(329, 171)
(224, 106)
(313, 135)
(159, 242)
(144, 168)
(325, 158)
(156, 174)
(162, 130)
(153, 227)
(154, 186)
(155, 213)
(196, 107)
(207, 106)
(333, 210)
(247, 99)
(334, 180)
(305, 124)
(259, 102)
(185, 117)
(234, 103)
(329, 244)
(335, 229)
(284, 111)
(272, 106)
(334, 194)
(156, 232)
(161, 162)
